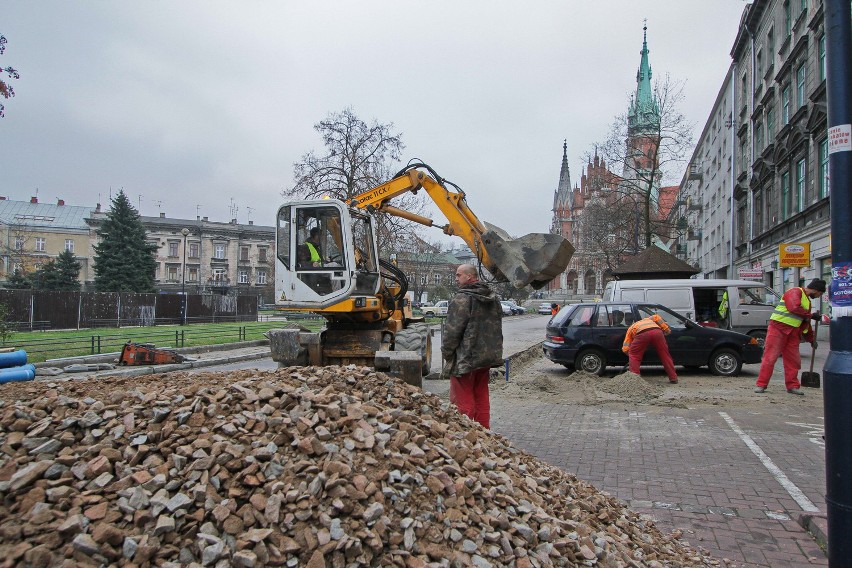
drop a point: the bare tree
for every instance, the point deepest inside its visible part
(609, 229)
(420, 259)
(358, 156)
(650, 146)
(6, 90)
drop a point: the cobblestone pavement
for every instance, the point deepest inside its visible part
(735, 479)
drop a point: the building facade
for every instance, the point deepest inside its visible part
(778, 151)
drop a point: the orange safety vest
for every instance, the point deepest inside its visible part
(644, 324)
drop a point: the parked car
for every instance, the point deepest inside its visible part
(439, 309)
(507, 308)
(516, 309)
(589, 337)
(544, 308)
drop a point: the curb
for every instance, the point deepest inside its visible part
(817, 525)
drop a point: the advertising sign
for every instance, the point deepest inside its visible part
(751, 273)
(840, 291)
(796, 255)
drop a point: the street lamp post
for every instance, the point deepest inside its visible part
(185, 233)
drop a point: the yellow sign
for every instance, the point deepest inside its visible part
(795, 255)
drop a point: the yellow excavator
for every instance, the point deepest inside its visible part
(328, 263)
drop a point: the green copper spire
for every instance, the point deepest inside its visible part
(644, 113)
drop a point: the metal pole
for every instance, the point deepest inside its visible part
(837, 396)
(185, 233)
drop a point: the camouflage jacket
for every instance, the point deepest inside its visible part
(473, 333)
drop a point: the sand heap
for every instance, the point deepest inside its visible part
(300, 467)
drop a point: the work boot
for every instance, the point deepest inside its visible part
(673, 381)
(760, 390)
(795, 391)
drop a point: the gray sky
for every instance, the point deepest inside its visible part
(202, 107)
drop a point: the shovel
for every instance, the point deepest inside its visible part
(811, 379)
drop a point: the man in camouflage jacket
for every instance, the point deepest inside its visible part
(472, 343)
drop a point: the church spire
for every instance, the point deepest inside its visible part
(564, 197)
(644, 111)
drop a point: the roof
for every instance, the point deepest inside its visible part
(693, 282)
(43, 215)
(654, 262)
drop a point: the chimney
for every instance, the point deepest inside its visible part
(198, 217)
(98, 208)
(162, 215)
(205, 218)
(60, 202)
(2, 198)
(251, 222)
(233, 221)
(33, 199)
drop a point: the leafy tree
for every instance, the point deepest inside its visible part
(5, 325)
(19, 280)
(650, 145)
(59, 274)
(124, 260)
(6, 90)
(358, 157)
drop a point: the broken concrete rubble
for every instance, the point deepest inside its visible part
(302, 466)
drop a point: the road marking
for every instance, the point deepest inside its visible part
(776, 472)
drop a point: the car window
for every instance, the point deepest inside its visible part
(581, 316)
(674, 320)
(612, 316)
(758, 295)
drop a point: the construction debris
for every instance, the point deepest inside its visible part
(305, 466)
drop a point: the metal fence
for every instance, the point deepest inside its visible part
(30, 310)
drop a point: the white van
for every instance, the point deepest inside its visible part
(749, 303)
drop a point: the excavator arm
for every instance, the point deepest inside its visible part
(534, 259)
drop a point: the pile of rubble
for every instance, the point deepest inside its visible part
(300, 467)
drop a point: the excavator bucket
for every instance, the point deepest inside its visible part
(534, 259)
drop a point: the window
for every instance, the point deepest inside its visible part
(785, 105)
(40, 241)
(244, 253)
(785, 195)
(193, 250)
(758, 213)
(770, 124)
(758, 69)
(261, 254)
(800, 85)
(822, 57)
(220, 274)
(437, 279)
(788, 18)
(219, 251)
(192, 274)
(743, 154)
(69, 245)
(744, 91)
(19, 242)
(261, 276)
(423, 279)
(758, 137)
(823, 168)
(770, 44)
(173, 249)
(172, 272)
(242, 277)
(800, 185)
(803, 6)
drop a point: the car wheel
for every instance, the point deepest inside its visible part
(760, 336)
(726, 362)
(591, 361)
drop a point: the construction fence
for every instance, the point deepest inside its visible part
(30, 310)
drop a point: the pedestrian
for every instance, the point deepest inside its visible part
(649, 331)
(554, 309)
(788, 324)
(472, 343)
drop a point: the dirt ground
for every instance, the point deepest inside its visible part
(534, 376)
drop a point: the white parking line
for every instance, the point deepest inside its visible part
(776, 472)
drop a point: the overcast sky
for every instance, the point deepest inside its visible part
(202, 107)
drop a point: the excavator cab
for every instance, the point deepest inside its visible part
(325, 254)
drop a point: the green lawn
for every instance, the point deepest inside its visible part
(43, 345)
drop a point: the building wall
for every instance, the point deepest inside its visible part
(781, 193)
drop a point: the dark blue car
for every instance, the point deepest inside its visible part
(588, 337)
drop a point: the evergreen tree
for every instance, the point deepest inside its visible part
(19, 281)
(59, 274)
(124, 260)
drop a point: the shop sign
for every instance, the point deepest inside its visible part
(794, 255)
(751, 273)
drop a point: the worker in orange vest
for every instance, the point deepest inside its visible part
(649, 331)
